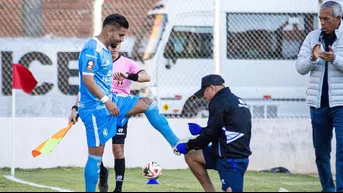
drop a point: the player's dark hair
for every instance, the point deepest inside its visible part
(116, 20)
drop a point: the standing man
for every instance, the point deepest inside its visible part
(100, 110)
(321, 55)
(229, 130)
(122, 66)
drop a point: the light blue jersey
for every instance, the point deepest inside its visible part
(95, 60)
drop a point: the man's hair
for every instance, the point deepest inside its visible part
(116, 20)
(335, 6)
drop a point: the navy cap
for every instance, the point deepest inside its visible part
(212, 79)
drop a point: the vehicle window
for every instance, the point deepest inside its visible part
(190, 42)
(267, 36)
(149, 37)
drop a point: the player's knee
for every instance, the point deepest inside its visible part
(229, 189)
(118, 151)
(146, 100)
(97, 151)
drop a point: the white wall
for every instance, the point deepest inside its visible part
(286, 143)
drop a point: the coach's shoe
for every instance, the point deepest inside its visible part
(103, 185)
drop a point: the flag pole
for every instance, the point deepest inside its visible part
(13, 132)
(23, 79)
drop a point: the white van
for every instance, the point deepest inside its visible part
(259, 43)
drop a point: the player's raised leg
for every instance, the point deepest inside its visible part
(156, 119)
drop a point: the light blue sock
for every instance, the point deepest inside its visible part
(160, 123)
(91, 172)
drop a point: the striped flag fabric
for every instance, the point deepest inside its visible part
(49, 145)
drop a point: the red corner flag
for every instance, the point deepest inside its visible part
(23, 79)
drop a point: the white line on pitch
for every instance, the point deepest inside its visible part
(36, 185)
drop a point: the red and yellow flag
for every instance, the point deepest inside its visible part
(48, 145)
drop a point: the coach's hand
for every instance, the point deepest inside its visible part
(328, 56)
(112, 108)
(194, 128)
(316, 51)
(182, 148)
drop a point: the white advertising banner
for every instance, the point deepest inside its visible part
(53, 62)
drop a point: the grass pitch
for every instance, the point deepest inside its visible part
(170, 181)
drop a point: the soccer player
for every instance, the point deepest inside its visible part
(122, 67)
(101, 110)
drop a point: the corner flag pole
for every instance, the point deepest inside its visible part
(22, 78)
(13, 132)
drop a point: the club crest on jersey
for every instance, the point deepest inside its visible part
(90, 65)
(105, 132)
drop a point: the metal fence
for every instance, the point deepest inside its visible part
(173, 41)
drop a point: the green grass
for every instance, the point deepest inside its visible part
(170, 181)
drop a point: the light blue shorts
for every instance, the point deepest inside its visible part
(100, 124)
(125, 103)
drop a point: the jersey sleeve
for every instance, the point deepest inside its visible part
(89, 62)
(134, 68)
(211, 132)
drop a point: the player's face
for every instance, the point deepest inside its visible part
(114, 49)
(117, 35)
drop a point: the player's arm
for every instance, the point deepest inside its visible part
(143, 76)
(90, 65)
(209, 133)
(74, 110)
(91, 85)
(135, 73)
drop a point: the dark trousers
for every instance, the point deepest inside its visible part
(323, 121)
(231, 171)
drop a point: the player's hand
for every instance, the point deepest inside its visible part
(112, 108)
(182, 148)
(316, 51)
(119, 76)
(194, 128)
(73, 116)
(328, 56)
